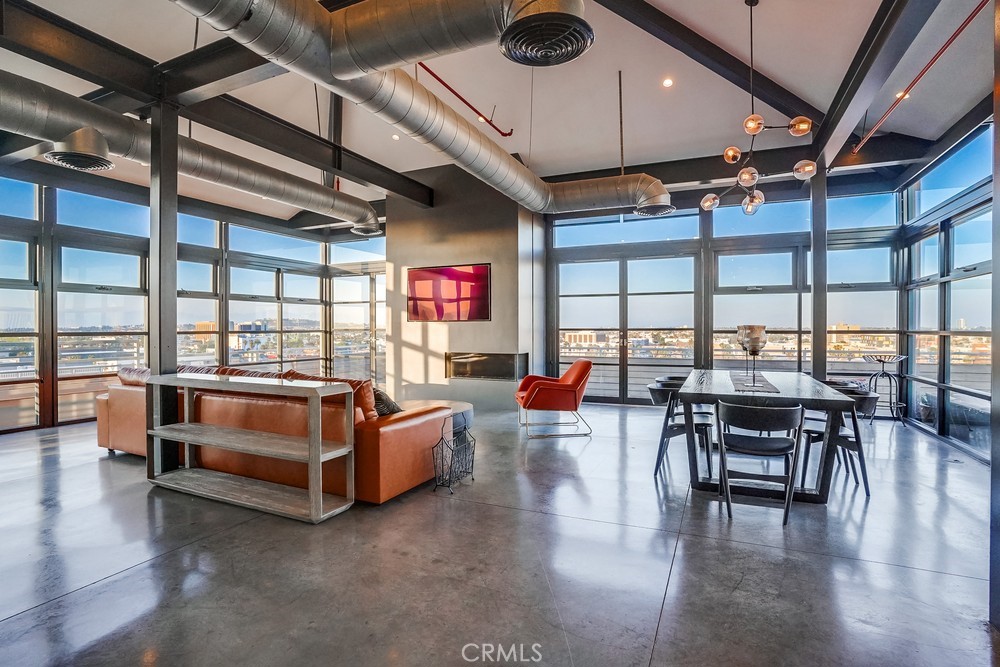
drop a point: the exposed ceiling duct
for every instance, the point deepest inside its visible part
(375, 35)
(37, 111)
(300, 36)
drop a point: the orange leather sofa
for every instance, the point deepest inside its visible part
(392, 453)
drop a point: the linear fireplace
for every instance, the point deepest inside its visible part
(486, 365)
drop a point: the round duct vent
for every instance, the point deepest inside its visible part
(654, 210)
(79, 161)
(549, 38)
(367, 230)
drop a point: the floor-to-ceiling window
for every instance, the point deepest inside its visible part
(359, 309)
(625, 299)
(198, 292)
(19, 321)
(949, 294)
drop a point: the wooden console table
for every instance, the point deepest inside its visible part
(310, 504)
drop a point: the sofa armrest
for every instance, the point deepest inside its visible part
(127, 419)
(404, 420)
(101, 405)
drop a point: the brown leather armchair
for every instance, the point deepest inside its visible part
(562, 394)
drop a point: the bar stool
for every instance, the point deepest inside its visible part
(895, 407)
(664, 392)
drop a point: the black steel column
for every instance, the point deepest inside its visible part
(817, 192)
(48, 340)
(994, 339)
(163, 265)
(704, 270)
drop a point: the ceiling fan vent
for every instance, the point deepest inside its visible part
(367, 229)
(550, 38)
(83, 150)
(79, 161)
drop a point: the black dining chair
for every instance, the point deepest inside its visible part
(849, 442)
(664, 392)
(758, 420)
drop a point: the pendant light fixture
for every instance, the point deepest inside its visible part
(748, 176)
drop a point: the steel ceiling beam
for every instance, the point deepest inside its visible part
(212, 70)
(708, 54)
(888, 150)
(954, 138)
(892, 31)
(48, 38)
(244, 121)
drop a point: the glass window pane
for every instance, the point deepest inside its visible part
(922, 403)
(17, 311)
(302, 316)
(924, 308)
(847, 311)
(924, 351)
(924, 258)
(352, 252)
(969, 362)
(969, 421)
(195, 276)
(973, 241)
(970, 304)
(845, 351)
(588, 344)
(673, 274)
(92, 355)
(755, 270)
(297, 286)
(101, 312)
(972, 163)
(302, 345)
(659, 348)
(197, 231)
(253, 316)
(780, 353)
(200, 349)
(774, 218)
(18, 359)
(380, 287)
(861, 212)
(253, 347)
(14, 259)
(588, 312)
(93, 267)
(351, 316)
(610, 231)
(252, 281)
(351, 288)
(17, 199)
(243, 239)
(661, 311)
(864, 265)
(76, 397)
(588, 278)
(18, 405)
(109, 215)
(197, 315)
(776, 311)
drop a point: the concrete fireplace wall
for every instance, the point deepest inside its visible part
(470, 223)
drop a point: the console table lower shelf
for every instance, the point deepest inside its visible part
(288, 501)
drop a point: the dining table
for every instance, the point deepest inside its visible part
(782, 389)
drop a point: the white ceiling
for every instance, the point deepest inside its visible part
(565, 119)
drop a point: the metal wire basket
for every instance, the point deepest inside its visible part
(454, 457)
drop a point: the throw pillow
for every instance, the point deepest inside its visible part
(364, 397)
(385, 405)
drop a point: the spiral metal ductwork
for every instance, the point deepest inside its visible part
(300, 36)
(35, 110)
(379, 35)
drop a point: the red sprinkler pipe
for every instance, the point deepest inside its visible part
(464, 101)
(901, 97)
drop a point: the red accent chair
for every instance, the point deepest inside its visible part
(563, 394)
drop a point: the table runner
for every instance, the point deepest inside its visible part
(741, 381)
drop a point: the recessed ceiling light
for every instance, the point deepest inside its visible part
(395, 137)
(481, 119)
(668, 82)
(900, 94)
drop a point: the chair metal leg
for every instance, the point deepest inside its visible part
(707, 444)
(805, 460)
(662, 449)
(861, 452)
(578, 420)
(790, 484)
(854, 471)
(724, 479)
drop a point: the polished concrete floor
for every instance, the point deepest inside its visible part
(564, 550)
